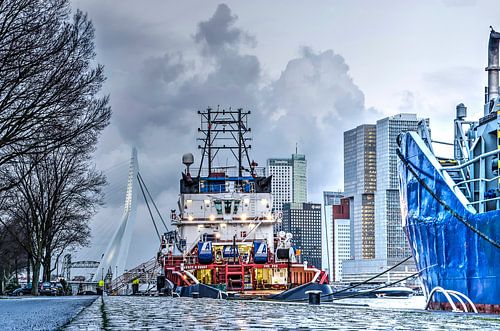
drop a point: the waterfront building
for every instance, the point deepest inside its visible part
(390, 240)
(359, 187)
(303, 221)
(341, 246)
(288, 183)
(330, 198)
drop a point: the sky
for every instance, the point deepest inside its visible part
(308, 71)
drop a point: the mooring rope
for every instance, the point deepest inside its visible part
(377, 288)
(362, 283)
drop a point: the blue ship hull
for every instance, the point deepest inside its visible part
(446, 251)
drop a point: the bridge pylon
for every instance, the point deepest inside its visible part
(115, 257)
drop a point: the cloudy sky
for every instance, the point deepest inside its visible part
(307, 70)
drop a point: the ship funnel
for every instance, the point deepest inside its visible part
(493, 68)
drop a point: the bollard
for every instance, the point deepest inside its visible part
(195, 295)
(314, 297)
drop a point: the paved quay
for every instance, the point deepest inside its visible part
(41, 313)
(166, 313)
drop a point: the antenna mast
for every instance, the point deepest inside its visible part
(225, 130)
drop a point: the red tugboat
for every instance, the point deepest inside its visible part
(224, 240)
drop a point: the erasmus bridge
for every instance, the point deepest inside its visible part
(107, 257)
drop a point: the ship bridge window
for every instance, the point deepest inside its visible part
(227, 206)
(218, 206)
(236, 206)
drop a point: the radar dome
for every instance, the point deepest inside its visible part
(188, 159)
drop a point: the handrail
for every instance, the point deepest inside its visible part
(476, 180)
(457, 167)
(466, 298)
(441, 290)
(459, 300)
(484, 200)
(456, 294)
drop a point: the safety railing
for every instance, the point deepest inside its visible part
(459, 296)
(483, 197)
(146, 272)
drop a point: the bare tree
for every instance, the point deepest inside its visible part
(51, 114)
(78, 197)
(48, 86)
(53, 203)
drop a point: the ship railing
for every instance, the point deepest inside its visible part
(480, 180)
(230, 171)
(226, 188)
(455, 294)
(481, 202)
(145, 271)
(477, 158)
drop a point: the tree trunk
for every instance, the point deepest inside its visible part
(46, 268)
(28, 267)
(2, 283)
(36, 276)
(15, 268)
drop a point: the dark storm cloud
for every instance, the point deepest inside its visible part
(166, 90)
(219, 34)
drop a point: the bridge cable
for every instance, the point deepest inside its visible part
(149, 209)
(462, 219)
(152, 200)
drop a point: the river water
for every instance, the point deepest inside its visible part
(155, 313)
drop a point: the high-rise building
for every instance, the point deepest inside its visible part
(281, 183)
(390, 240)
(385, 244)
(299, 178)
(341, 246)
(359, 185)
(303, 221)
(289, 181)
(330, 198)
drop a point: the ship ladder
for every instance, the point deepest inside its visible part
(448, 294)
(235, 274)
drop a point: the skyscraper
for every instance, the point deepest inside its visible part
(359, 186)
(390, 240)
(303, 220)
(289, 181)
(281, 183)
(299, 178)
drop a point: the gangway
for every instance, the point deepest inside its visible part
(146, 273)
